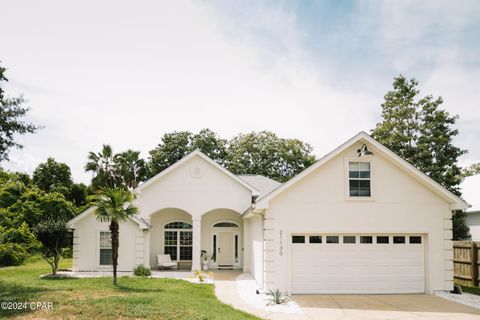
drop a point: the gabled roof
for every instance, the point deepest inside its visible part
(263, 184)
(141, 222)
(455, 202)
(198, 153)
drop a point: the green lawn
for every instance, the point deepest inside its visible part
(97, 298)
(472, 290)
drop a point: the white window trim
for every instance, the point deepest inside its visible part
(346, 178)
(178, 237)
(101, 266)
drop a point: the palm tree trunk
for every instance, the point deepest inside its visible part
(115, 245)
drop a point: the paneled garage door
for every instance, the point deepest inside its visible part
(346, 264)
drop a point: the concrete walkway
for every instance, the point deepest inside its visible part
(351, 307)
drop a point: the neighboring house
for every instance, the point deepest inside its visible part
(471, 193)
(353, 222)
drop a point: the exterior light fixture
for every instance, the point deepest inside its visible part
(363, 151)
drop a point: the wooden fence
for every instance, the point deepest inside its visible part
(465, 263)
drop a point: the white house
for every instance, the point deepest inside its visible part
(359, 220)
(471, 192)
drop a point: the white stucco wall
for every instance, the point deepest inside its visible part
(86, 247)
(254, 247)
(193, 193)
(318, 204)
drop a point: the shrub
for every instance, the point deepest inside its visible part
(276, 297)
(12, 254)
(142, 271)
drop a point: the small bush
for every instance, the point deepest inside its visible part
(200, 275)
(142, 271)
(12, 254)
(276, 297)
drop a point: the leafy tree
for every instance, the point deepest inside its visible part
(176, 145)
(12, 112)
(266, 154)
(78, 194)
(419, 131)
(460, 229)
(114, 206)
(130, 168)
(23, 207)
(471, 170)
(254, 153)
(53, 176)
(54, 236)
(211, 144)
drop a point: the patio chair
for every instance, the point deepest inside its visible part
(165, 261)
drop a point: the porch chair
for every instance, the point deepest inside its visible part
(165, 261)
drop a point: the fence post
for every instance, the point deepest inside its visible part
(474, 265)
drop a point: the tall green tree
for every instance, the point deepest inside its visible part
(102, 165)
(261, 153)
(12, 122)
(114, 206)
(53, 176)
(176, 145)
(418, 130)
(121, 170)
(267, 154)
(130, 168)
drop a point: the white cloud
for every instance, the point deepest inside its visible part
(123, 74)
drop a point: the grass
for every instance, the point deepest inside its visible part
(472, 290)
(97, 298)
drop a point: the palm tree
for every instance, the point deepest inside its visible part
(130, 168)
(115, 205)
(103, 167)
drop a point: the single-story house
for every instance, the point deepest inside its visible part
(471, 193)
(359, 220)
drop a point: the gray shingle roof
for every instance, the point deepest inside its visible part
(263, 184)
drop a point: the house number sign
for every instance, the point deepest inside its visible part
(280, 252)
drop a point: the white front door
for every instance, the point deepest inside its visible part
(225, 248)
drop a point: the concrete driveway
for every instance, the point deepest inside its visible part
(377, 307)
(351, 307)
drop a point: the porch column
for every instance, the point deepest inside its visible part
(196, 246)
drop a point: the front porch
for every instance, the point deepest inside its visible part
(183, 237)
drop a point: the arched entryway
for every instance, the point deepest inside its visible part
(222, 238)
(172, 233)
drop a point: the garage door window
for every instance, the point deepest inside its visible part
(298, 239)
(366, 239)
(349, 239)
(415, 239)
(398, 239)
(315, 239)
(382, 239)
(332, 239)
(359, 179)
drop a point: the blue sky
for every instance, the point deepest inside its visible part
(124, 73)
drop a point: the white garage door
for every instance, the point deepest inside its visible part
(344, 264)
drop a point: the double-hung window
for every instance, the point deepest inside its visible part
(105, 248)
(359, 179)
